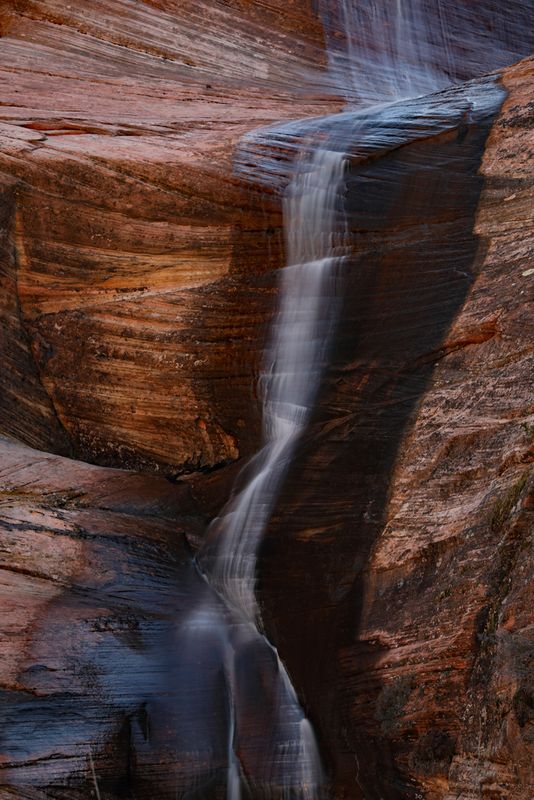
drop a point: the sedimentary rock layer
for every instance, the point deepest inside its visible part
(138, 274)
(124, 225)
(402, 541)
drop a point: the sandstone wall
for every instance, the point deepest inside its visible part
(137, 278)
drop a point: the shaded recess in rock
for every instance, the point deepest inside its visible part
(415, 262)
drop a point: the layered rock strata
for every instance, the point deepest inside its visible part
(138, 275)
(405, 529)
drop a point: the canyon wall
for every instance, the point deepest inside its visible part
(402, 540)
(138, 272)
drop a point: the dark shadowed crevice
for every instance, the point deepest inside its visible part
(411, 215)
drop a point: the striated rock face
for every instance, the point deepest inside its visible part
(125, 226)
(401, 547)
(137, 275)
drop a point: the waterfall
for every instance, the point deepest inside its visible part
(300, 335)
(404, 51)
(391, 49)
(294, 360)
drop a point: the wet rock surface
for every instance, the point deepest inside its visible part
(94, 572)
(404, 531)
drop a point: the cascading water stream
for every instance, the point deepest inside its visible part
(300, 335)
(294, 361)
(403, 51)
(384, 50)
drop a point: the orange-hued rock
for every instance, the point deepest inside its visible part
(125, 224)
(461, 505)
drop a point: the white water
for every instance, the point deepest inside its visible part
(403, 51)
(294, 360)
(391, 49)
(388, 50)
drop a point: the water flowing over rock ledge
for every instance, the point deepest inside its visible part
(137, 281)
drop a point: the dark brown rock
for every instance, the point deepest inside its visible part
(401, 549)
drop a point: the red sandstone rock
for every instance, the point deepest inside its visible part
(125, 224)
(137, 276)
(424, 670)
